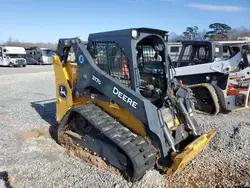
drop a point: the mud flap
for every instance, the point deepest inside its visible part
(189, 152)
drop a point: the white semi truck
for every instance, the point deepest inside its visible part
(12, 56)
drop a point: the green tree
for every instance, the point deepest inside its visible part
(218, 31)
(191, 33)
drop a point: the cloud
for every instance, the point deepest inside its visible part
(221, 8)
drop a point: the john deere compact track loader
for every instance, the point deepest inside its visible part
(118, 101)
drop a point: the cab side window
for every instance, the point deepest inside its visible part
(109, 57)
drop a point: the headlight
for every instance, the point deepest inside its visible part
(134, 33)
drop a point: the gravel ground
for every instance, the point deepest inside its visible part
(27, 69)
(27, 102)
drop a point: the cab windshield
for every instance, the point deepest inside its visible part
(47, 53)
(14, 56)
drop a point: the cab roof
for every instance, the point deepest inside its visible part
(127, 32)
(14, 50)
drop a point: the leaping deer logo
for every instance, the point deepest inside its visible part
(62, 91)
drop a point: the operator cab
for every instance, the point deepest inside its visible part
(231, 48)
(199, 52)
(138, 60)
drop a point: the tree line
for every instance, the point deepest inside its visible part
(11, 42)
(215, 32)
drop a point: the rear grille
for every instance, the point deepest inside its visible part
(20, 61)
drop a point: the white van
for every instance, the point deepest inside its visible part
(12, 56)
(47, 56)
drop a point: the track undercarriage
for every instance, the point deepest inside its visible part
(96, 137)
(207, 100)
(94, 130)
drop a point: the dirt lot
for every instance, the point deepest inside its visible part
(31, 158)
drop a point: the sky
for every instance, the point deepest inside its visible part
(49, 20)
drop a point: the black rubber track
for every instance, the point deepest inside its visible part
(213, 94)
(139, 152)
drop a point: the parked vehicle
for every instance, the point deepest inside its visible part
(118, 103)
(12, 56)
(39, 56)
(217, 72)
